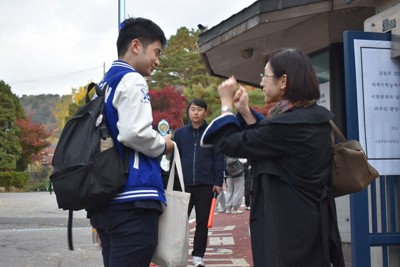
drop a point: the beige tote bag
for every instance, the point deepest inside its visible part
(173, 230)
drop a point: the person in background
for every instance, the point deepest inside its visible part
(221, 199)
(248, 184)
(202, 171)
(128, 225)
(234, 171)
(293, 216)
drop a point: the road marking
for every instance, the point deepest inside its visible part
(40, 229)
(221, 241)
(217, 254)
(226, 262)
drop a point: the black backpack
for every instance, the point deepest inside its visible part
(86, 174)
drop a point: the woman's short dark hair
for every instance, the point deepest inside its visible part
(301, 81)
(145, 30)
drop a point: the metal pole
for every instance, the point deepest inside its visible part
(121, 11)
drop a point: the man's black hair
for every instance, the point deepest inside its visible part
(198, 102)
(145, 30)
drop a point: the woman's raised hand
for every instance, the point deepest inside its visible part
(227, 90)
(241, 100)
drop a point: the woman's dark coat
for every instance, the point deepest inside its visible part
(293, 215)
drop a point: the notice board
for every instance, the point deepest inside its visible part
(372, 81)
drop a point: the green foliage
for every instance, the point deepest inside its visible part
(36, 186)
(10, 111)
(10, 151)
(181, 64)
(39, 172)
(16, 179)
(209, 95)
(256, 98)
(38, 178)
(20, 139)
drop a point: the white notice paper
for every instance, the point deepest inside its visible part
(378, 103)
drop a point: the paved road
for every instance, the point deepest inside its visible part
(33, 233)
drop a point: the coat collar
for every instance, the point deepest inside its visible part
(311, 114)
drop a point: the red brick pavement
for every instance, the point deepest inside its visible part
(228, 241)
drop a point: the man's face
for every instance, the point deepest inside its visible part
(147, 58)
(197, 114)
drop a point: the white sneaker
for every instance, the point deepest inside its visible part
(228, 211)
(236, 211)
(198, 261)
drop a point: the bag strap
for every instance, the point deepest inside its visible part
(176, 163)
(98, 90)
(335, 130)
(70, 242)
(70, 212)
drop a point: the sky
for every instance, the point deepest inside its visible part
(52, 46)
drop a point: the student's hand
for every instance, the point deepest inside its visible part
(217, 189)
(169, 144)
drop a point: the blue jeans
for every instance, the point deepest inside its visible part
(128, 234)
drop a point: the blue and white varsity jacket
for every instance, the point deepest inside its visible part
(129, 118)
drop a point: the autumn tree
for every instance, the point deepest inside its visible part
(68, 106)
(39, 109)
(78, 100)
(61, 113)
(33, 140)
(168, 104)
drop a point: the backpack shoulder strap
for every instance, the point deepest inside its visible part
(70, 242)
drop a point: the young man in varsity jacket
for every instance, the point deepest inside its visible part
(128, 225)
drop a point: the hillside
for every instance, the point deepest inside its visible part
(40, 108)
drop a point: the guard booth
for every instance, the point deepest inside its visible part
(373, 117)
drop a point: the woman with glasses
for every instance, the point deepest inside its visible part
(293, 215)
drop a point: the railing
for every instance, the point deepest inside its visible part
(375, 219)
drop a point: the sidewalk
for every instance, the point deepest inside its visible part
(228, 241)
